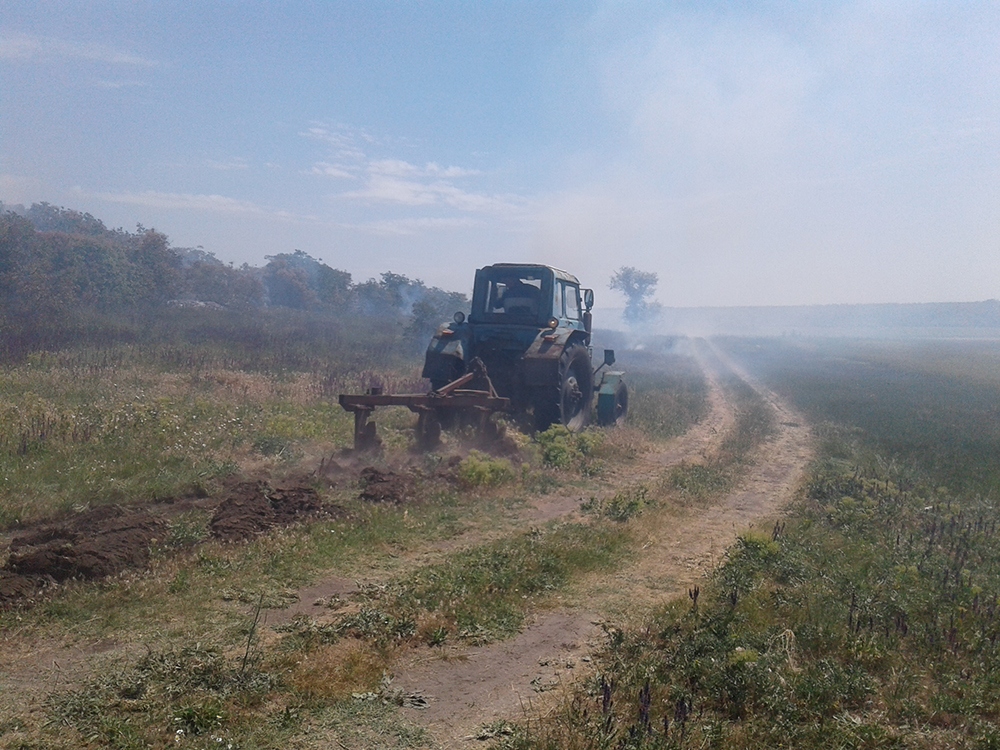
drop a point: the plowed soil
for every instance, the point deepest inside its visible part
(109, 540)
(95, 544)
(253, 507)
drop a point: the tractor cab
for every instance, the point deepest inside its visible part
(521, 295)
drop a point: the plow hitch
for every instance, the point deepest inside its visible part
(468, 400)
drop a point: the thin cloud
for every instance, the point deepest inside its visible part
(401, 168)
(383, 188)
(387, 189)
(219, 204)
(410, 227)
(39, 48)
(331, 170)
(388, 182)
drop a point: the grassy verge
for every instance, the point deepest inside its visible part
(867, 619)
(668, 392)
(240, 686)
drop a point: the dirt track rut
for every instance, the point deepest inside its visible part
(474, 687)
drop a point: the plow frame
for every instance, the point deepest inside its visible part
(432, 408)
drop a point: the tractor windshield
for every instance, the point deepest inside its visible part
(512, 295)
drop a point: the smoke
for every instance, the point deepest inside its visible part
(793, 155)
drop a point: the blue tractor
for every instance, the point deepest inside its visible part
(530, 328)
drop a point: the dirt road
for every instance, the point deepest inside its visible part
(466, 689)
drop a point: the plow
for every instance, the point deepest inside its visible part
(457, 402)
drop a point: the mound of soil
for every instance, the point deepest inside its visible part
(95, 544)
(254, 507)
(385, 486)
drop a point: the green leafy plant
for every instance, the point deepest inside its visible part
(481, 470)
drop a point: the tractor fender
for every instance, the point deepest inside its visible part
(445, 357)
(612, 398)
(540, 363)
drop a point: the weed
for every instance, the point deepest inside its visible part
(624, 505)
(478, 595)
(187, 529)
(480, 470)
(562, 449)
(335, 671)
(754, 424)
(867, 619)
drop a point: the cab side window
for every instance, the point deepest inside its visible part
(572, 296)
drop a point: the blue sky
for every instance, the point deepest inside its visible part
(749, 153)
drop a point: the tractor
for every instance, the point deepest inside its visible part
(524, 349)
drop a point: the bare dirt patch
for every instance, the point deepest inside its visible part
(466, 688)
(385, 486)
(95, 544)
(254, 507)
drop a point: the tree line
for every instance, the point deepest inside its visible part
(57, 264)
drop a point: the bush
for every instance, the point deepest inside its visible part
(562, 449)
(480, 470)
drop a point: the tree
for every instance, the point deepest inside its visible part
(637, 286)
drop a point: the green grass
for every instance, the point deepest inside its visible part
(76, 431)
(129, 424)
(930, 408)
(222, 684)
(667, 391)
(866, 619)
(481, 594)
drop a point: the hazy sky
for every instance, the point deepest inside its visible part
(748, 152)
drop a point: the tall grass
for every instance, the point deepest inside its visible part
(668, 391)
(931, 407)
(867, 619)
(753, 424)
(87, 427)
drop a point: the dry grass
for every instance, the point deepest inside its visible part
(336, 671)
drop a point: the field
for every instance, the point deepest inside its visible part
(791, 544)
(866, 617)
(166, 504)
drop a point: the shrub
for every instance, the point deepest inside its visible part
(562, 449)
(480, 470)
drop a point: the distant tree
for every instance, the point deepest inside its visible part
(300, 281)
(48, 218)
(155, 267)
(391, 296)
(207, 279)
(333, 286)
(637, 286)
(290, 280)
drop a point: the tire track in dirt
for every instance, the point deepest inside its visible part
(521, 677)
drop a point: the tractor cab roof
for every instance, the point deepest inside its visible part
(557, 272)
